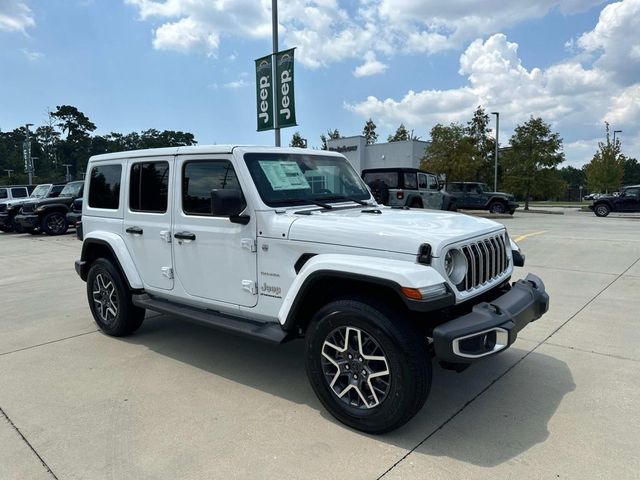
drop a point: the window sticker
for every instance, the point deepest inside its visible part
(284, 175)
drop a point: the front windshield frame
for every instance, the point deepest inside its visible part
(71, 189)
(343, 186)
(40, 191)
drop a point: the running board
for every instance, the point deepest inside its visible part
(270, 331)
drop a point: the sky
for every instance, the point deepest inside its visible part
(131, 65)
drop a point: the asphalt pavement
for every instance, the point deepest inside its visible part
(179, 401)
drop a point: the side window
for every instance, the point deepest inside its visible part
(632, 192)
(455, 187)
(432, 182)
(55, 191)
(422, 181)
(104, 187)
(410, 181)
(19, 193)
(149, 187)
(199, 178)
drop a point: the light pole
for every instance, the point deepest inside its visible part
(495, 173)
(274, 30)
(614, 135)
(8, 172)
(27, 153)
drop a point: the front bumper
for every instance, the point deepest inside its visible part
(512, 205)
(73, 218)
(491, 327)
(28, 221)
(5, 220)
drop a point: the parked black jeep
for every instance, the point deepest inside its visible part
(49, 215)
(627, 201)
(407, 187)
(10, 209)
(477, 196)
(74, 217)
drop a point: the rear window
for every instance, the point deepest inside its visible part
(104, 187)
(18, 193)
(389, 178)
(149, 187)
(410, 181)
(454, 187)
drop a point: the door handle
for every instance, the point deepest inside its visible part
(185, 236)
(134, 230)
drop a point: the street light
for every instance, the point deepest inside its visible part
(614, 135)
(67, 176)
(8, 172)
(495, 177)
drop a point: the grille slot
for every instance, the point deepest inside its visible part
(486, 260)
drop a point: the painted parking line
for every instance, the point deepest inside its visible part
(522, 237)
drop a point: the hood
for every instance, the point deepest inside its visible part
(57, 200)
(394, 230)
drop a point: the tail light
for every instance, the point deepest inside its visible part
(400, 194)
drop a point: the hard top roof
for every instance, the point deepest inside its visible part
(396, 169)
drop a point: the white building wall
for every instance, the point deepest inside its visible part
(406, 154)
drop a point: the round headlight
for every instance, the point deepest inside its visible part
(455, 265)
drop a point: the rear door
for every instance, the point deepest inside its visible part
(147, 219)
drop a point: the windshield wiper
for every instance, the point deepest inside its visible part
(320, 204)
(351, 199)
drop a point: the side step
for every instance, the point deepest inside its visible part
(270, 332)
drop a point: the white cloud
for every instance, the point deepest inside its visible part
(236, 84)
(31, 55)
(15, 16)
(371, 66)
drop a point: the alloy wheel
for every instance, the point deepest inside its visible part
(55, 223)
(105, 298)
(355, 367)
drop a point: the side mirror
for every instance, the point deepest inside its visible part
(229, 203)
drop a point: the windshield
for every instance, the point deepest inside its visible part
(298, 179)
(40, 191)
(483, 187)
(71, 189)
(3, 193)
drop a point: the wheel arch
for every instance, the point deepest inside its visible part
(114, 249)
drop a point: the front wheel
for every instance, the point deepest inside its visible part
(369, 368)
(497, 207)
(54, 223)
(110, 300)
(602, 210)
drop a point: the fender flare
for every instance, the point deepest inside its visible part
(394, 274)
(119, 250)
(413, 196)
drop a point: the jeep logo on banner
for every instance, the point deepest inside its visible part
(264, 91)
(285, 103)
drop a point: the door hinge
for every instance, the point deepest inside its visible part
(167, 272)
(250, 286)
(250, 244)
(165, 235)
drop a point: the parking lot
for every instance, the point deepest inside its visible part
(181, 401)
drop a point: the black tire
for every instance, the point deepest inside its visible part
(511, 212)
(398, 395)
(110, 300)
(601, 210)
(55, 223)
(497, 207)
(416, 203)
(17, 227)
(453, 207)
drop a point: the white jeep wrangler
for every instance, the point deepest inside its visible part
(286, 243)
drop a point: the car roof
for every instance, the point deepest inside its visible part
(631, 186)
(395, 169)
(207, 149)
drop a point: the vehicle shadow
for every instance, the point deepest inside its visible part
(507, 419)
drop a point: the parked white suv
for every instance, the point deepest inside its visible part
(286, 243)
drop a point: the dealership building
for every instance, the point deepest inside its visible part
(406, 153)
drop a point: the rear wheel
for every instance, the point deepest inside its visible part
(54, 223)
(497, 207)
(416, 203)
(369, 368)
(110, 300)
(602, 210)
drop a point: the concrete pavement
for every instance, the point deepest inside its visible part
(180, 401)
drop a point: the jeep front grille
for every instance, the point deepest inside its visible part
(3, 207)
(486, 260)
(27, 208)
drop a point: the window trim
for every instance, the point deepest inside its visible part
(182, 190)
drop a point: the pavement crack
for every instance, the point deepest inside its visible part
(35, 452)
(47, 343)
(584, 350)
(499, 377)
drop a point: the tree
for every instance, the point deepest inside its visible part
(369, 132)
(450, 153)
(484, 145)
(631, 172)
(75, 149)
(332, 135)
(574, 177)
(400, 135)
(529, 165)
(298, 141)
(605, 172)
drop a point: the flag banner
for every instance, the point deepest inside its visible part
(285, 103)
(264, 93)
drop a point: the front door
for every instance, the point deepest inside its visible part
(631, 200)
(147, 220)
(215, 259)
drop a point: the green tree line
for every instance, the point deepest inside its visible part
(67, 138)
